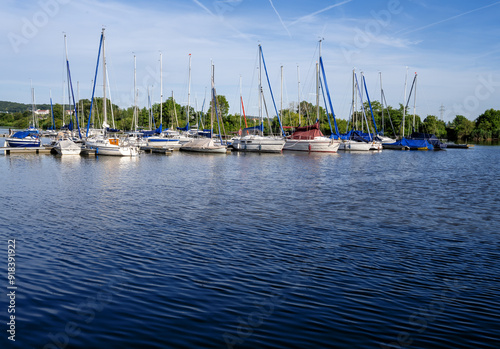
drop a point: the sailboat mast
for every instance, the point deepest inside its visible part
(261, 117)
(175, 110)
(52, 111)
(32, 104)
(241, 101)
(404, 105)
(281, 97)
(317, 83)
(382, 101)
(213, 98)
(149, 107)
(161, 93)
(68, 77)
(104, 111)
(353, 96)
(298, 91)
(135, 95)
(189, 91)
(414, 102)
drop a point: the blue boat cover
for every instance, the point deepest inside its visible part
(251, 130)
(185, 128)
(24, 134)
(205, 133)
(413, 143)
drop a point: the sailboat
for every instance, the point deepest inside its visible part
(161, 141)
(29, 138)
(351, 141)
(208, 145)
(381, 136)
(64, 140)
(102, 144)
(406, 143)
(252, 139)
(310, 138)
(429, 137)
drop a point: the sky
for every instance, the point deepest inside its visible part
(452, 46)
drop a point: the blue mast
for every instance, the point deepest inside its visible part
(93, 89)
(329, 99)
(363, 109)
(270, 90)
(73, 96)
(370, 104)
(52, 112)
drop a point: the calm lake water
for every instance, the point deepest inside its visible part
(381, 250)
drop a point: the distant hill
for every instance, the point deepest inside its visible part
(13, 107)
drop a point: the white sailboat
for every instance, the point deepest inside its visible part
(252, 139)
(162, 141)
(102, 144)
(352, 144)
(208, 145)
(64, 142)
(310, 138)
(29, 138)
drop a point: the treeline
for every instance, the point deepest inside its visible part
(485, 127)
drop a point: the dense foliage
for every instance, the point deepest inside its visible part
(485, 127)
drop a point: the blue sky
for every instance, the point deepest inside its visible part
(452, 45)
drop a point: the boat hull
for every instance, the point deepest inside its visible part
(161, 142)
(23, 143)
(214, 150)
(355, 146)
(104, 148)
(67, 147)
(324, 145)
(259, 144)
(204, 145)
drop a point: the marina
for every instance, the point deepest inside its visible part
(165, 184)
(321, 249)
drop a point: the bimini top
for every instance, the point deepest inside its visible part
(307, 132)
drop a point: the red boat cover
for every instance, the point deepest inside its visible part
(307, 132)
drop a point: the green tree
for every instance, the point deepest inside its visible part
(460, 128)
(487, 125)
(433, 125)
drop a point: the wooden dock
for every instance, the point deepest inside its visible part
(459, 146)
(158, 150)
(27, 150)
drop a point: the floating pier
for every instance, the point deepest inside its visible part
(158, 150)
(27, 150)
(459, 146)
(395, 147)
